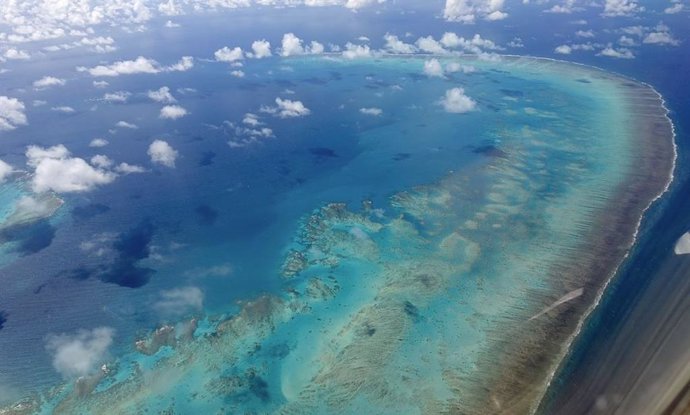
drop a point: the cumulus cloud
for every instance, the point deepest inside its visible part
(457, 102)
(184, 64)
(172, 112)
(291, 45)
(675, 7)
(162, 95)
(261, 49)
(98, 142)
(180, 301)
(353, 51)
(237, 73)
(32, 208)
(474, 44)
(613, 8)
(48, 81)
(11, 113)
(56, 170)
(371, 111)
(137, 66)
(395, 45)
(660, 38)
(162, 153)
(287, 109)
(430, 45)
(563, 50)
(432, 67)
(5, 171)
(125, 124)
(63, 108)
(620, 53)
(15, 54)
(140, 65)
(125, 168)
(119, 96)
(467, 11)
(101, 161)
(81, 353)
(457, 67)
(226, 54)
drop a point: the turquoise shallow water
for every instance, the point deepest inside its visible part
(379, 260)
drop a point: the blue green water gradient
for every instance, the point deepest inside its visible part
(406, 262)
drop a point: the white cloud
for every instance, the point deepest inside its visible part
(356, 4)
(626, 41)
(251, 120)
(457, 67)
(315, 48)
(55, 170)
(35, 154)
(676, 7)
(101, 161)
(140, 65)
(287, 109)
(81, 353)
(170, 8)
(225, 54)
(11, 113)
(172, 112)
(63, 108)
(457, 102)
(566, 7)
(180, 300)
(48, 81)
(119, 96)
(621, 53)
(261, 49)
(634, 30)
(432, 67)
(467, 11)
(29, 209)
(353, 51)
(291, 45)
(98, 142)
(371, 111)
(614, 8)
(125, 124)
(660, 38)
(137, 66)
(15, 54)
(395, 45)
(475, 45)
(162, 95)
(125, 168)
(162, 153)
(5, 171)
(184, 64)
(584, 33)
(100, 84)
(563, 50)
(237, 73)
(429, 45)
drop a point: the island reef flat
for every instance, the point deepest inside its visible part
(513, 189)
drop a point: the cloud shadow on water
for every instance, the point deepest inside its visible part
(129, 248)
